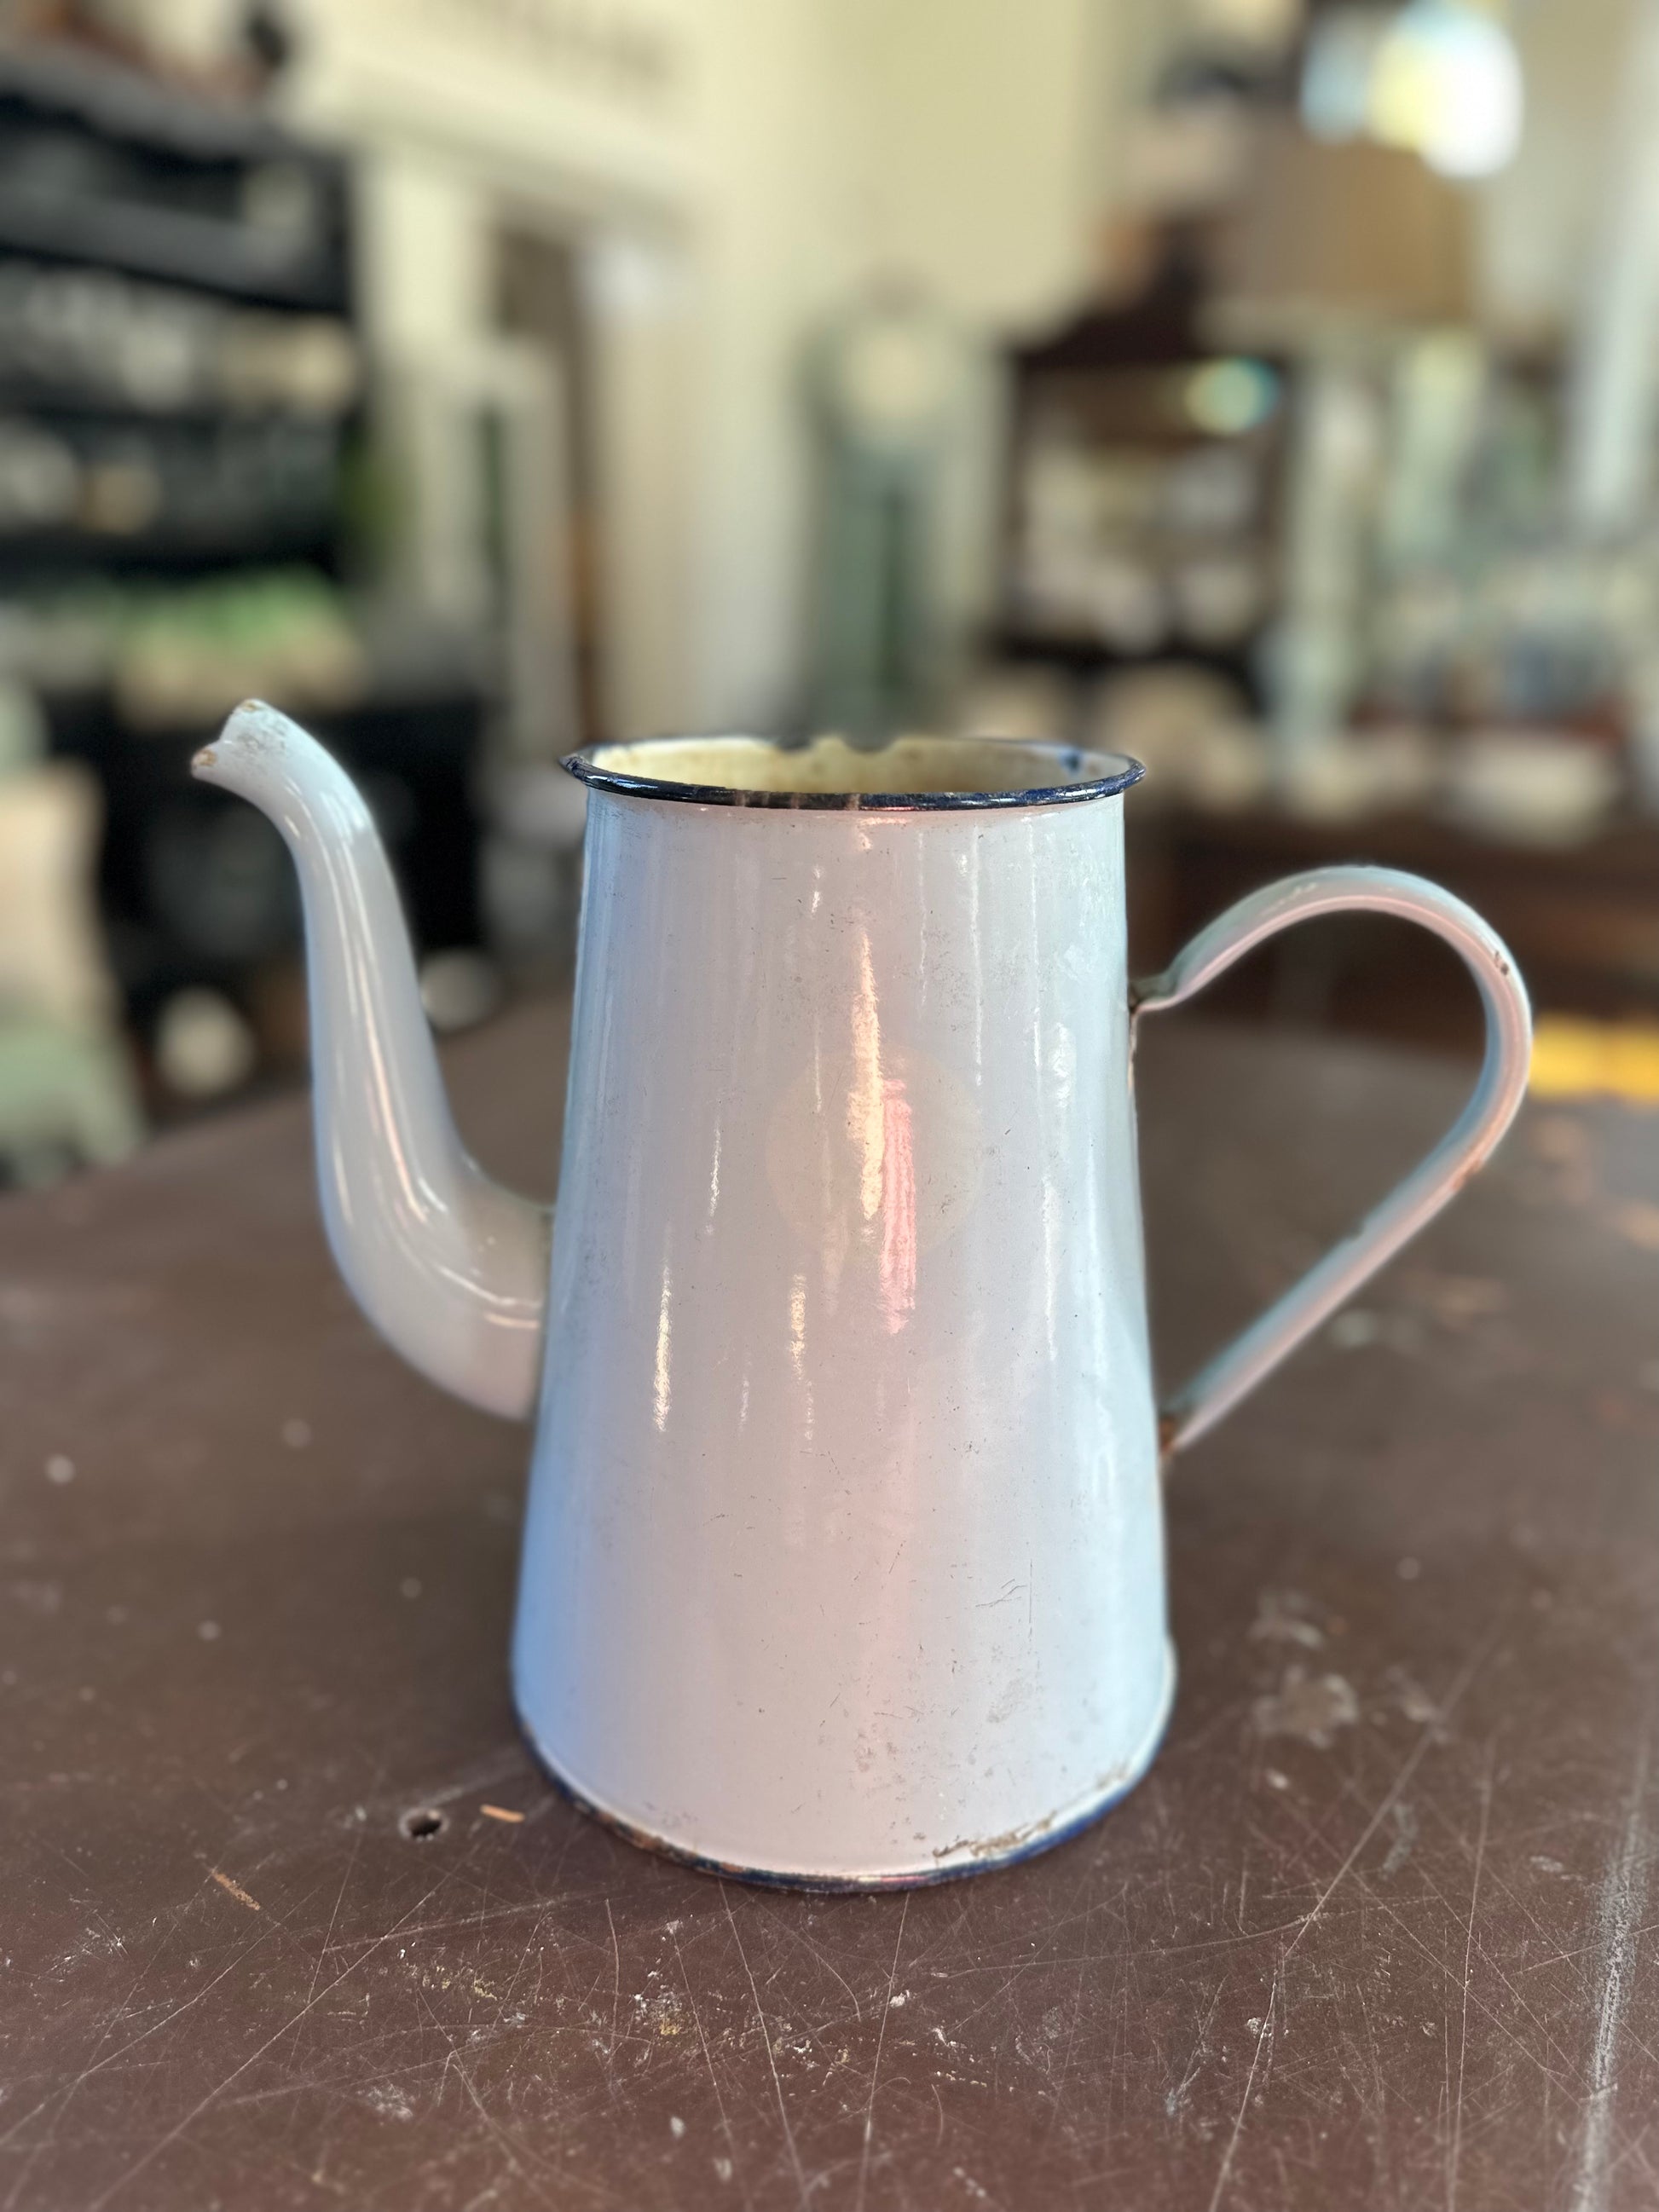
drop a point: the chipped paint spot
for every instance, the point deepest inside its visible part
(1403, 1821)
(1312, 1707)
(1638, 1222)
(1412, 1698)
(1282, 1618)
(1457, 1302)
(1019, 1693)
(234, 1889)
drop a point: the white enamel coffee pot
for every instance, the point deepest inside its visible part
(844, 1558)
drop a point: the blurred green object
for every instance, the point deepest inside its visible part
(187, 657)
(67, 1095)
(180, 655)
(66, 1099)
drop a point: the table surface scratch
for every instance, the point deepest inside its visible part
(1380, 1931)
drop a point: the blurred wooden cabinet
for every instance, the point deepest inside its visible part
(1583, 920)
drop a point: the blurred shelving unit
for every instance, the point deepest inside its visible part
(178, 365)
(182, 473)
(1142, 493)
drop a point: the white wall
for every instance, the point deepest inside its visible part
(1541, 219)
(976, 143)
(772, 252)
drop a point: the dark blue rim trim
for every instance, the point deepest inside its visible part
(590, 770)
(820, 1885)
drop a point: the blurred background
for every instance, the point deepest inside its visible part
(1267, 388)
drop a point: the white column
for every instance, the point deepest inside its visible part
(1611, 393)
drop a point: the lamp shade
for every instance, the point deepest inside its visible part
(1324, 239)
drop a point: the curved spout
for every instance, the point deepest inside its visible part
(450, 1269)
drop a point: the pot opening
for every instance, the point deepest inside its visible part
(907, 772)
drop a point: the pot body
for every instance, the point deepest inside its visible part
(843, 1562)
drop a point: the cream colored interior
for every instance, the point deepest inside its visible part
(908, 764)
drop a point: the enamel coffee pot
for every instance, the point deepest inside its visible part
(844, 1556)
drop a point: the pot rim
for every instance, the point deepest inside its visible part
(1116, 773)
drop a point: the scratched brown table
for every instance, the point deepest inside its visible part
(1380, 1931)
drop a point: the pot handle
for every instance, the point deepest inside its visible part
(1232, 1373)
